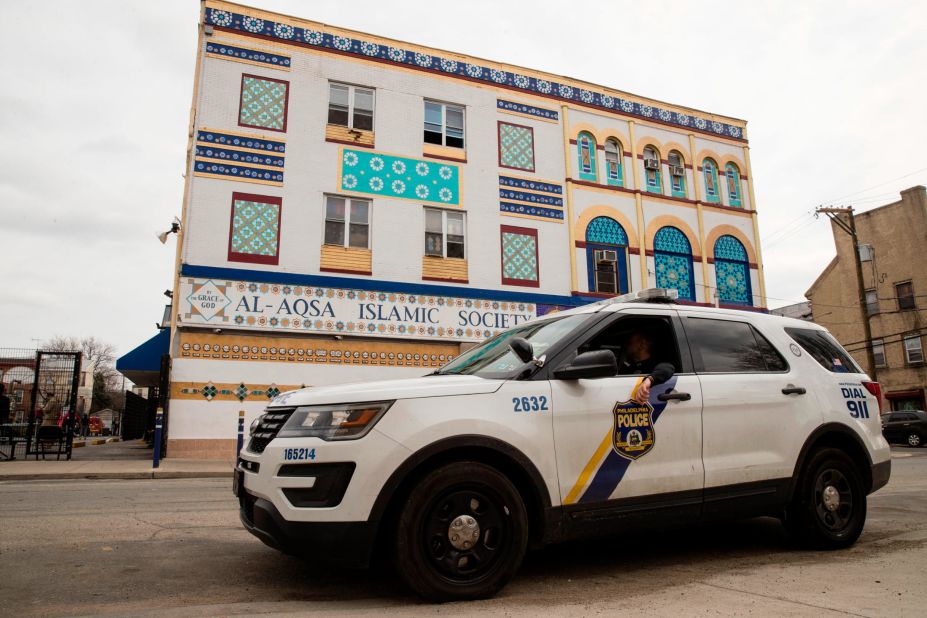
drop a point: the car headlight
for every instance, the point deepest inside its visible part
(255, 423)
(346, 421)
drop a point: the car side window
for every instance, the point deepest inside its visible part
(824, 349)
(724, 346)
(658, 331)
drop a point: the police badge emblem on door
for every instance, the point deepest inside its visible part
(633, 435)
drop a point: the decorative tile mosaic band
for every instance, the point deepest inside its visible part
(208, 136)
(375, 173)
(534, 198)
(528, 110)
(247, 24)
(531, 211)
(238, 171)
(316, 350)
(211, 391)
(532, 185)
(239, 157)
(286, 308)
(233, 52)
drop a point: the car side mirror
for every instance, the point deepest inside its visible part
(522, 348)
(588, 365)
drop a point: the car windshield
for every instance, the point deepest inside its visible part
(494, 359)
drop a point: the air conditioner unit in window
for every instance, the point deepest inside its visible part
(651, 164)
(677, 170)
(607, 257)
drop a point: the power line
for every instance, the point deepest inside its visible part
(881, 184)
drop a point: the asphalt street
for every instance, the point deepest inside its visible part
(176, 548)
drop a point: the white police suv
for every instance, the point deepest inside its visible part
(548, 432)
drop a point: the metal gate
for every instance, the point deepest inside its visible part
(51, 424)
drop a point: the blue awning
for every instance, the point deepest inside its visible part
(143, 364)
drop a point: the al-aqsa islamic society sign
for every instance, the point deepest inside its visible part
(219, 303)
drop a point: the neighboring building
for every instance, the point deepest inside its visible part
(892, 240)
(358, 207)
(799, 311)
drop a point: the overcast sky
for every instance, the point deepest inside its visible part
(96, 96)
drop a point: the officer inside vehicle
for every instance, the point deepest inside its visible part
(639, 359)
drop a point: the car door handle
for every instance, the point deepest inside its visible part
(674, 395)
(793, 390)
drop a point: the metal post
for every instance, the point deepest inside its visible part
(241, 432)
(156, 456)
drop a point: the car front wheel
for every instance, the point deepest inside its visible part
(829, 507)
(461, 534)
(914, 439)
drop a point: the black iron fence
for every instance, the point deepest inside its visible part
(40, 406)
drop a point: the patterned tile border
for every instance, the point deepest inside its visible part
(279, 31)
(316, 351)
(229, 391)
(532, 198)
(225, 51)
(531, 185)
(238, 157)
(527, 110)
(547, 214)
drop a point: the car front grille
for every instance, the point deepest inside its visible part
(271, 423)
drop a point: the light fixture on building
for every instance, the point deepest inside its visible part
(175, 228)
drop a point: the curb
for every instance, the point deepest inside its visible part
(149, 474)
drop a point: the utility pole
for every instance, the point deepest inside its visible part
(832, 214)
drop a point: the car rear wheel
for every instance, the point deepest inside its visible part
(828, 510)
(461, 534)
(914, 439)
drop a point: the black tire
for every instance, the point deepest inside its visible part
(914, 439)
(424, 554)
(810, 520)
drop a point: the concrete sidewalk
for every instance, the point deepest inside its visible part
(20, 470)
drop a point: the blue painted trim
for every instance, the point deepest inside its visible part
(263, 276)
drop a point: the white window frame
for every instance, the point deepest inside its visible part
(872, 302)
(618, 154)
(351, 95)
(444, 106)
(347, 220)
(907, 350)
(878, 349)
(444, 212)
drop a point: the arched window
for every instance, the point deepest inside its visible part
(607, 256)
(732, 272)
(614, 173)
(585, 145)
(672, 258)
(733, 184)
(712, 191)
(677, 170)
(652, 170)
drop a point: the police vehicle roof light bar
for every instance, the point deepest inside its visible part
(648, 295)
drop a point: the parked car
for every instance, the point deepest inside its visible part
(905, 427)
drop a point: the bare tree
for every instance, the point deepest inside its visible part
(100, 356)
